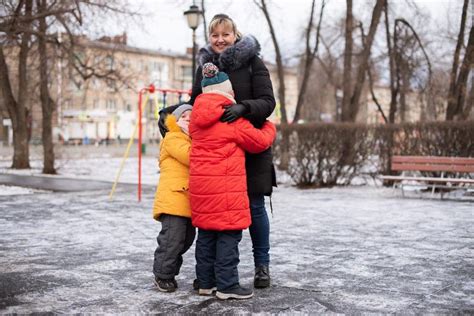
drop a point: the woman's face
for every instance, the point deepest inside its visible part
(222, 37)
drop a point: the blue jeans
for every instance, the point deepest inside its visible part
(259, 230)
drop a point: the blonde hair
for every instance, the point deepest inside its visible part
(226, 21)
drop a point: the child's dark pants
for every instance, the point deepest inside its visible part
(176, 236)
(217, 257)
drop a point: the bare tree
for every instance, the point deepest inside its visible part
(21, 21)
(371, 81)
(284, 161)
(278, 59)
(204, 22)
(391, 61)
(347, 76)
(47, 104)
(458, 79)
(470, 102)
(351, 113)
(309, 56)
(410, 63)
(462, 109)
(17, 25)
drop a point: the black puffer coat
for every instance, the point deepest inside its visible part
(253, 88)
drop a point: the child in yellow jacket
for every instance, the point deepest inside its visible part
(171, 205)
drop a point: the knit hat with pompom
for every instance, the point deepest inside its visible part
(214, 80)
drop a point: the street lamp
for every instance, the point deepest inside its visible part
(193, 15)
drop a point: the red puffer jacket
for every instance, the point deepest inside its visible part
(217, 178)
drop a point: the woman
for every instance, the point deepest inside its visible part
(237, 55)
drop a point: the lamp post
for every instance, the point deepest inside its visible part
(193, 16)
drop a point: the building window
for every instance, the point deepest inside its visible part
(111, 104)
(126, 63)
(111, 85)
(143, 66)
(95, 83)
(109, 63)
(187, 73)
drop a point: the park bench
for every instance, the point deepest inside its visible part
(454, 172)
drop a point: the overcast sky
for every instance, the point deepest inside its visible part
(164, 26)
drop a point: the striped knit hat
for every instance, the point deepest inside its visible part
(214, 80)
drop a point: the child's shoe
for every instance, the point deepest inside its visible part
(166, 285)
(262, 277)
(195, 284)
(236, 292)
(207, 292)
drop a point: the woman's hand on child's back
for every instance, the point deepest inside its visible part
(233, 112)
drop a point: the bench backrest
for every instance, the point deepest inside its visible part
(432, 163)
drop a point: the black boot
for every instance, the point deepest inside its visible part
(166, 285)
(262, 277)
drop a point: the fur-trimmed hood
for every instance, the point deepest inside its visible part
(171, 124)
(234, 57)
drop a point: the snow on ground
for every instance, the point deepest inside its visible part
(341, 250)
(12, 190)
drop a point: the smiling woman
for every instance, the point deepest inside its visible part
(238, 56)
(222, 33)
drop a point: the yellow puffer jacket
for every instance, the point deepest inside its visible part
(171, 196)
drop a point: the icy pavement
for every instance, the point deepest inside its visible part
(341, 250)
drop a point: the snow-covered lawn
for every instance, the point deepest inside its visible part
(358, 249)
(12, 190)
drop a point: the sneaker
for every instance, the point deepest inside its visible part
(236, 292)
(207, 292)
(166, 285)
(203, 291)
(262, 277)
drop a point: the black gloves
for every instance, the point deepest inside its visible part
(233, 112)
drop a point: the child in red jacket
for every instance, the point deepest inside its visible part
(218, 185)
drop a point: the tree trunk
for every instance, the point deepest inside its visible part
(405, 78)
(46, 101)
(204, 21)
(452, 98)
(310, 54)
(469, 103)
(17, 114)
(361, 71)
(279, 62)
(371, 81)
(308, 61)
(391, 61)
(461, 83)
(16, 108)
(347, 76)
(284, 161)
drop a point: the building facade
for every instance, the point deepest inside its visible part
(99, 102)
